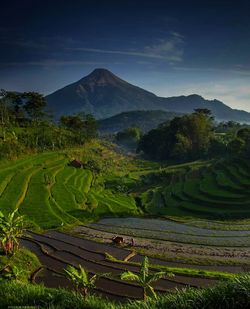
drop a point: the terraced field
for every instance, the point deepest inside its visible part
(221, 192)
(56, 250)
(176, 241)
(172, 231)
(50, 193)
(198, 249)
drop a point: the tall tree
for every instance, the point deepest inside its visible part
(83, 125)
(34, 105)
(5, 115)
(183, 138)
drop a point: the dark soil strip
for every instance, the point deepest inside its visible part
(137, 258)
(114, 251)
(108, 266)
(57, 250)
(120, 253)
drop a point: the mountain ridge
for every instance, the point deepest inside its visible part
(144, 120)
(104, 94)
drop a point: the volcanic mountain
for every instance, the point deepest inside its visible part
(104, 94)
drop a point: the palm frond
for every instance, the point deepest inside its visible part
(83, 274)
(93, 279)
(151, 292)
(144, 268)
(156, 276)
(128, 275)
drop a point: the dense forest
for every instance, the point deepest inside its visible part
(195, 136)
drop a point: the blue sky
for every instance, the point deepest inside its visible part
(168, 47)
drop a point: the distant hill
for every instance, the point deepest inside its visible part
(104, 94)
(145, 120)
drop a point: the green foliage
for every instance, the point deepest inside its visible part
(26, 127)
(236, 146)
(233, 294)
(130, 134)
(183, 138)
(82, 125)
(11, 227)
(52, 194)
(218, 146)
(228, 127)
(145, 278)
(34, 104)
(178, 270)
(80, 279)
(216, 191)
(19, 266)
(195, 136)
(24, 107)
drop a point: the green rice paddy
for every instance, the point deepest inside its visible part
(50, 193)
(222, 191)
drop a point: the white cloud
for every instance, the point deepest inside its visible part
(170, 49)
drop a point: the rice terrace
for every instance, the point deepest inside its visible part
(182, 230)
(113, 196)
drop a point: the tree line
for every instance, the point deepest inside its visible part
(26, 124)
(195, 136)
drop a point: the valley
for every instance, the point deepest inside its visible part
(124, 154)
(82, 212)
(174, 214)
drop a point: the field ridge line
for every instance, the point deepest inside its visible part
(26, 187)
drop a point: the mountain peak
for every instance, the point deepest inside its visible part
(104, 94)
(101, 77)
(100, 71)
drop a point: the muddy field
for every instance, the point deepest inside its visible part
(56, 250)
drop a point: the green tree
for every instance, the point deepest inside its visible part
(16, 103)
(183, 138)
(26, 106)
(236, 146)
(218, 146)
(83, 125)
(11, 227)
(144, 278)
(5, 115)
(132, 133)
(244, 134)
(34, 105)
(182, 147)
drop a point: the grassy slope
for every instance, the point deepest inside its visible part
(235, 296)
(24, 260)
(219, 192)
(51, 194)
(196, 189)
